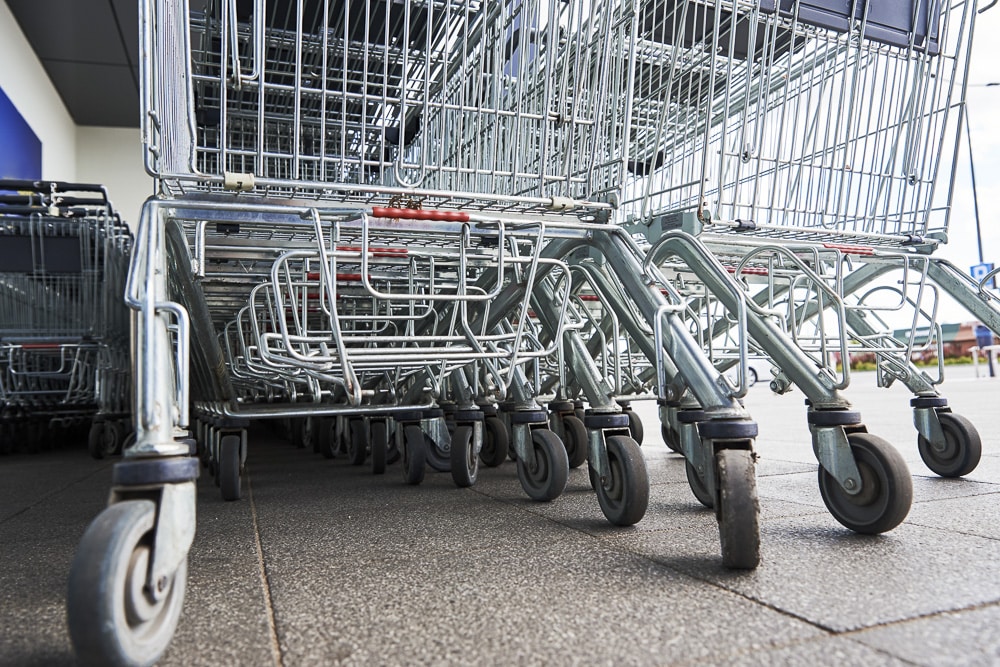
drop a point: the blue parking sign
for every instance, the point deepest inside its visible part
(979, 272)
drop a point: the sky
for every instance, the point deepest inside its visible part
(982, 103)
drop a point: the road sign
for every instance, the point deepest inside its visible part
(979, 272)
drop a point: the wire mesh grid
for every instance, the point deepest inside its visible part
(790, 116)
(488, 104)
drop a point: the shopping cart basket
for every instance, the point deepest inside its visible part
(815, 148)
(63, 324)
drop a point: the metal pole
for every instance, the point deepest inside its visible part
(975, 196)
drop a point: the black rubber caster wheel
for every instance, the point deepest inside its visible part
(102, 440)
(739, 509)
(464, 460)
(112, 617)
(670, 438)
(496, 442)
(635, 427)
(624, 493)
(546, 479)
(357, 450)
(698, 487)
(575, 441)
(414, 454)
(380, 445)
(886, 488)
(327, 438)
(229, 467)
(962, 450)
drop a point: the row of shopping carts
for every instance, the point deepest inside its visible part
(64, 332)
(439, 232)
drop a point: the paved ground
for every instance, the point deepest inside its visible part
(323, 564)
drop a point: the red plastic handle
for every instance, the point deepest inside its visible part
(850, 249)
(419, 214)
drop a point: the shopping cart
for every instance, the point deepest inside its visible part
(804, 151)
(367, 217)
(63, 325)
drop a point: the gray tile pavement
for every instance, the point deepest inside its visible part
(322, 563)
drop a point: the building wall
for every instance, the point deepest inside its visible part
(112, 156)
(103, 155)
(27, 85)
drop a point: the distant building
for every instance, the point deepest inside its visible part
(957, 340)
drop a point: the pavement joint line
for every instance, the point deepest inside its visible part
(963, 497)
(920, 617)
(51, 494)
(907, 521)
(644, 557)
(965, 481)
(268, 600)
(656, 563)
(777, 646)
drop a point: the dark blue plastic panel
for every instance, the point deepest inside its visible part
(890, 22)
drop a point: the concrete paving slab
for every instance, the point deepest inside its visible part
(839, 580)
(356, 569)
(828, 651)
(970, 515)
(964, 638)
(36, 548)
(550, 602)
(226, 607)
(22, 488)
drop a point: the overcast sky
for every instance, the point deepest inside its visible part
(983, 106)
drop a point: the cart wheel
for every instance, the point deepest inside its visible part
(635, 426)
(101, 440)
(698, 487)
(575, 440)
(380, 445)
(496, 442)
(328, 438)
(393, 454)
(545, 480)
(119, 434)
(229, 467)
(321, 430)
(962, 450)
(435, 458)
(414, 455)
(128, 442)
(305, 432)
(357, 449)
(886, 488)
(464, 461)
(739, 509)
(112, 619)
(670, 438)
(624, 496)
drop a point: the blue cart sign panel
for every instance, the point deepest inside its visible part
(979, 272)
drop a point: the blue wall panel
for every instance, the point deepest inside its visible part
(20, 148)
